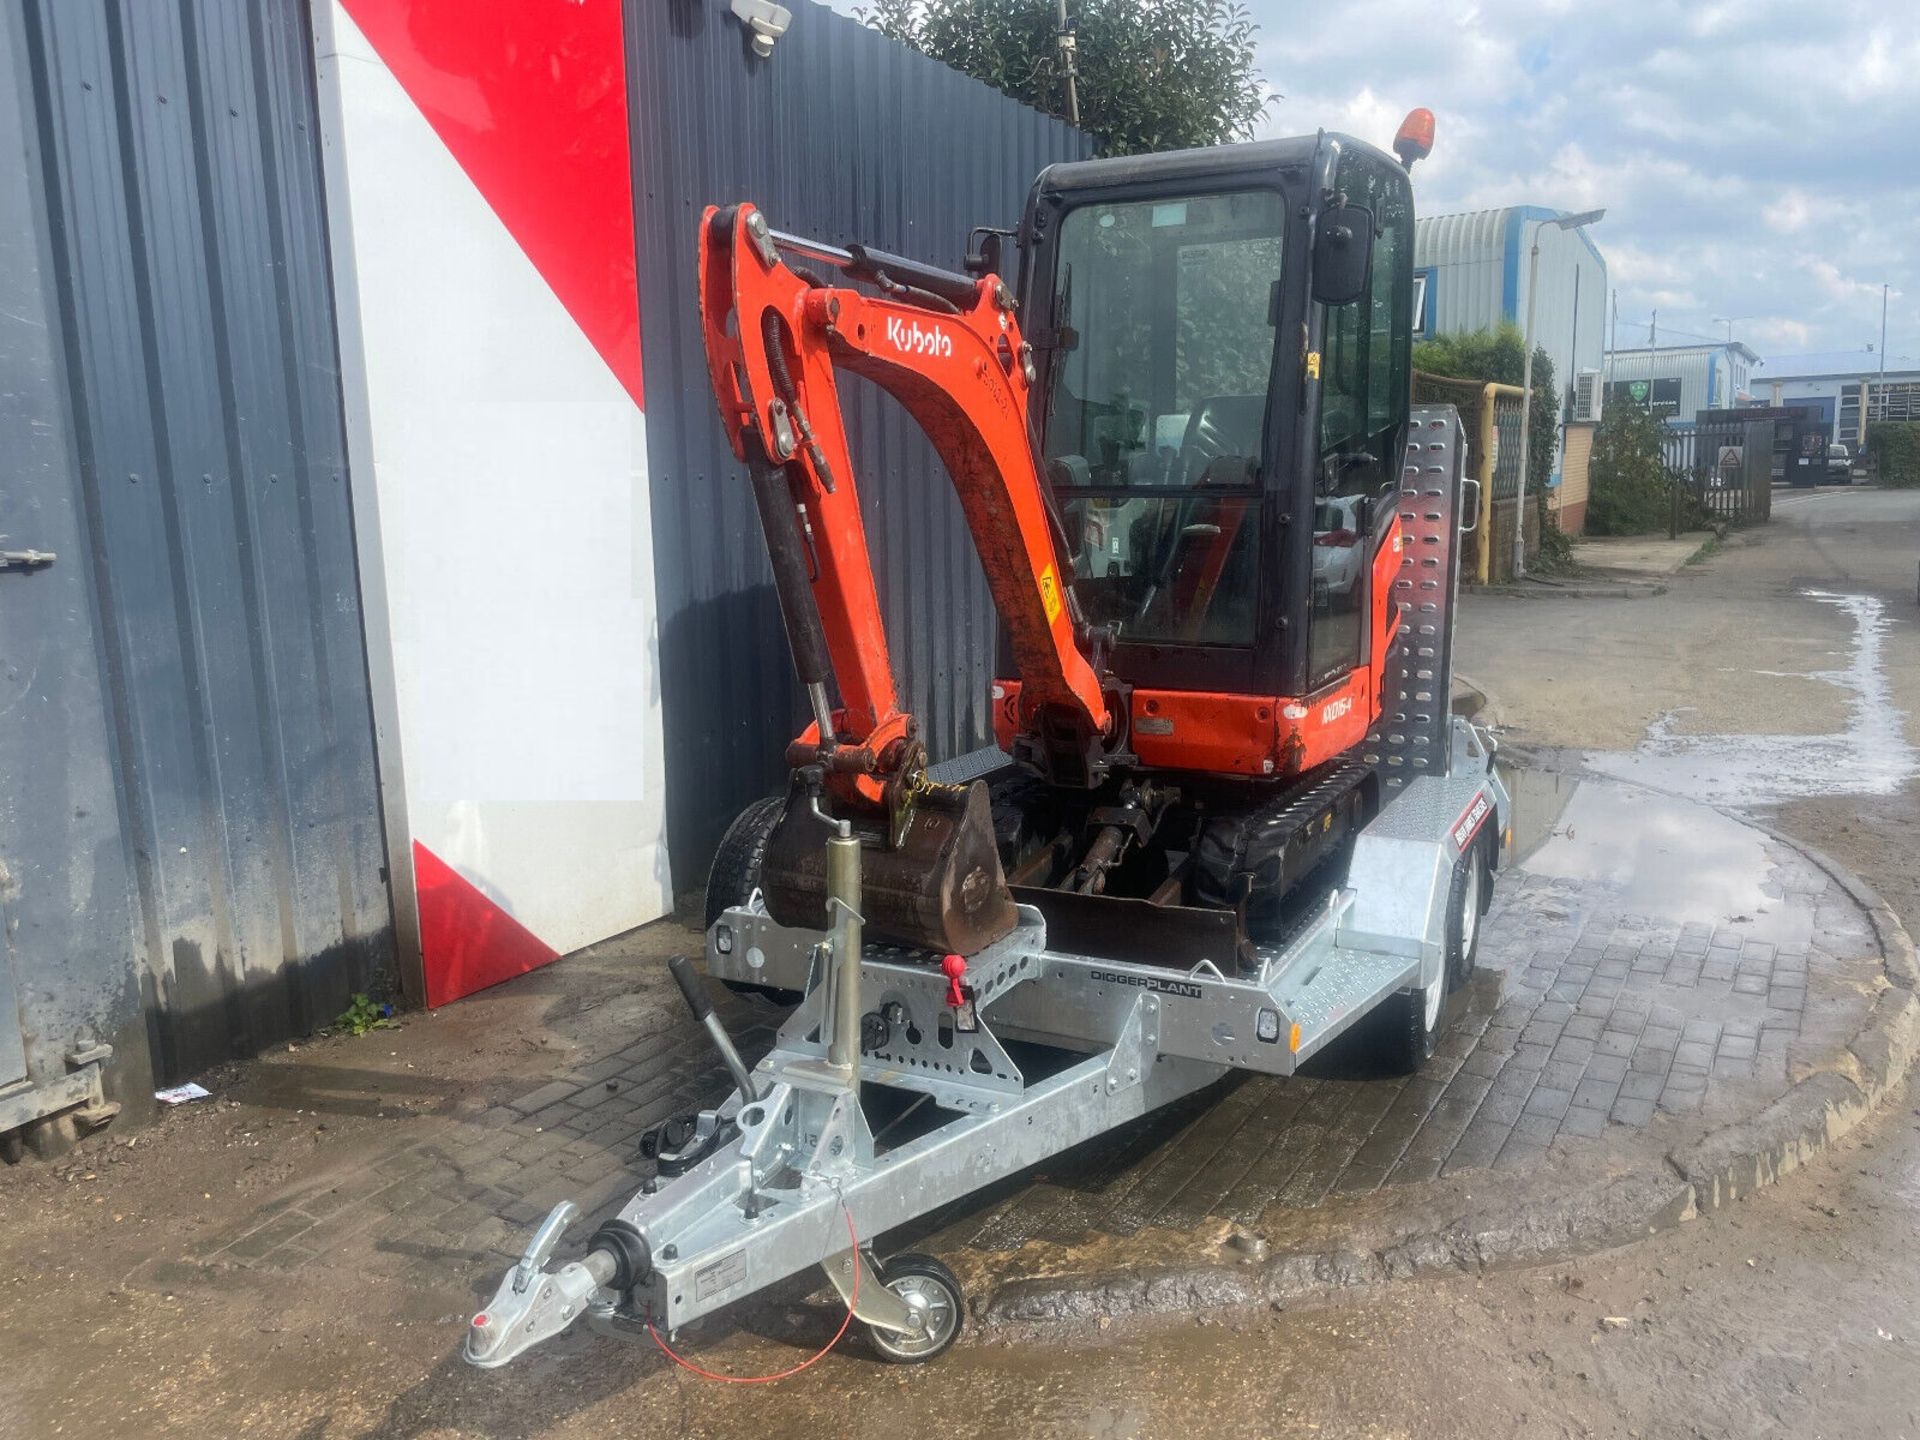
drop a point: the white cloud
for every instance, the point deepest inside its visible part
(1754, 160)
(1755, 157)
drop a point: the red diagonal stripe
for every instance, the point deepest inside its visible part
(530, 96)
(467, 942)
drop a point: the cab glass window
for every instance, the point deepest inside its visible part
(1165, 313)
(1364, 394)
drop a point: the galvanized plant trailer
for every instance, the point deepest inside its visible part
(793, 1171)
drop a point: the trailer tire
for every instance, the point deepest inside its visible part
(921, 1276)
(1411, 1020)
(1467, 899)
(735, 875)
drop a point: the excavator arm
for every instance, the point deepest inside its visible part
(948, 348)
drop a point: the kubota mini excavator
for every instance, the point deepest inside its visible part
(1229, 817)
(1177, 452)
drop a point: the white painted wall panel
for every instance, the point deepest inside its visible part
(506, 465)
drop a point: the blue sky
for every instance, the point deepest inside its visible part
(1758, 161)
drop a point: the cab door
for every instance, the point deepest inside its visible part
(1365, 386)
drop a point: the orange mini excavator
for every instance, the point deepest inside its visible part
(1177, 452)
(1230, 818)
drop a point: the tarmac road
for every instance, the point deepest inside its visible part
(1779, 677)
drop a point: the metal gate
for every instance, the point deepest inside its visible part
(1726, 467)
(191, 856)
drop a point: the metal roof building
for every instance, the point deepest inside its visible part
(1711, 377)
(1835, 383)
(1471, 272)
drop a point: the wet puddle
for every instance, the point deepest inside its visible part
(1655, 855)
(1871, 756)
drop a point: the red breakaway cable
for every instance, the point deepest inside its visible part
(820, 1354)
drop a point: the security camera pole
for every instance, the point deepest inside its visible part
(1565, 222)
(1069, 66)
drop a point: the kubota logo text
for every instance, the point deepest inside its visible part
(909, 338)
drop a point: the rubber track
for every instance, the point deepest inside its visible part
(1274, 825)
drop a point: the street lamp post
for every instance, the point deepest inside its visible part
(1564, 222)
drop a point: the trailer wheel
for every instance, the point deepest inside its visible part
(1467, 900)
(1409, 1025)
(930, 1287)
(735, 875)
(1410, 1021)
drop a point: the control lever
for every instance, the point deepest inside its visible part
(698, 1001)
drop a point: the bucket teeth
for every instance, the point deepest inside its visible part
(941, 888)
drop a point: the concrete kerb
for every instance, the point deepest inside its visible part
(1472, 702)
(1617, 1212)
(1576, 590)
(1820, 1108)
(1726, 1165)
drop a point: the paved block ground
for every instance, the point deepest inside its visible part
(1592, 1023)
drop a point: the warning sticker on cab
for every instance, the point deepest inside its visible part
(1050, 594)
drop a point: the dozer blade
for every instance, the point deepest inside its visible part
(940, 889)
(1138, 932)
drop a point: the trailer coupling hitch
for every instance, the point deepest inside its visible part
(534, 1304)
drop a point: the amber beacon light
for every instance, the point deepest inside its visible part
(1415, 138)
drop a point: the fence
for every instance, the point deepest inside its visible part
(1726, 471)
(1491, 414)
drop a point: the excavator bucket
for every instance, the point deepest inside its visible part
(939, 888)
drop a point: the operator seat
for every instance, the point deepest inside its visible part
(1220, 425)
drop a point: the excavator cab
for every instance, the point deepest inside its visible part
(1223, 340)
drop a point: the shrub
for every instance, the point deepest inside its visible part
(1500, 355)
(1895, 447)
(1629, 491)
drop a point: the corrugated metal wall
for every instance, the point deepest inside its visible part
(844, 136)
(68, 977)
(1467, 252)
(179, 176)
(1480, 262)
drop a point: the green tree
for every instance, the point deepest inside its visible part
(1629, 491)
(1152, 74)
(1500, 356)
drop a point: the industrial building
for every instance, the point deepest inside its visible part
(1471, 270)
(1676, 382)
(1471, 273)
(1838, 385)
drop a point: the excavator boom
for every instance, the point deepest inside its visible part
(954, 358)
